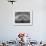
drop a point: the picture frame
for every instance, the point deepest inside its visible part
(23, 18)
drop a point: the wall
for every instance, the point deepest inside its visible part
(9, 31)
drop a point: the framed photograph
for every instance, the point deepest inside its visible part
(23, 18)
